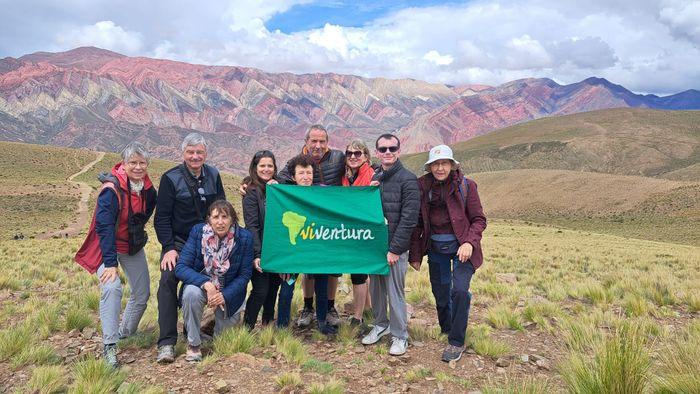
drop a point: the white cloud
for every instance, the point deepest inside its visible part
(645, 45)
(439, 60)
(683, 18)
(104, 34)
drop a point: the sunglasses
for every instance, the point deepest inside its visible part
(356, 153)
(200, 191)
(392, 149)
(262, 152)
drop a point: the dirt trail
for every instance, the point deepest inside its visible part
(82, 212)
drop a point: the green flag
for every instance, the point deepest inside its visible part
(324, 230)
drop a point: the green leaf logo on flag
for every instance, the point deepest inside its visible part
(324, 230)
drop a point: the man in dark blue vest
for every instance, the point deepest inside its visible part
(184, 196)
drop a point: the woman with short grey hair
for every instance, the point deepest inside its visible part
(116, 238)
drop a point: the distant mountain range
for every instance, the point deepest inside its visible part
(94, 98)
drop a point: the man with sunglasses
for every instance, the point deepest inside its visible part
(184, 196)
(400, 202)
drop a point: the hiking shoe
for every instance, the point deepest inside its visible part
(194, 354)
(110, 355)
(398, 346)
(375, 335)
(327, 328)
(452, 353)
(332, 318)
(305, 317)
(166, 354)
(355, 322)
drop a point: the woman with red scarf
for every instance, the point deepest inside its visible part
(214, 266)
(358, 172)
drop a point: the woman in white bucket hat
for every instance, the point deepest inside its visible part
(449, 231)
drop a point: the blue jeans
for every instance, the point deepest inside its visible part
(321, 292)
(450, 280)
(284, 305)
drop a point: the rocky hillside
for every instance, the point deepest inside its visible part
(93, 98)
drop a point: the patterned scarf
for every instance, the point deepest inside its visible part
(216, 252)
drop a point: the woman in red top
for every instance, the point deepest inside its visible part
(358, 172)
(115, 240)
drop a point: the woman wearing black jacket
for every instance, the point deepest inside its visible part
(262, 169)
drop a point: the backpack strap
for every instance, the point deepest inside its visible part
(463, 188)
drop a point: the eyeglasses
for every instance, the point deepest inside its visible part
(392, 149)
(202, 198)
(356, 153)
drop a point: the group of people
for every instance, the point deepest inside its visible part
(205, 248)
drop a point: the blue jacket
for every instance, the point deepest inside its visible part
(190, 266)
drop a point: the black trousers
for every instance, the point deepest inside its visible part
(263, 295)
(450, 280)
(167, 307)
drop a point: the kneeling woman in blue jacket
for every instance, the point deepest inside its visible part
(214, 266)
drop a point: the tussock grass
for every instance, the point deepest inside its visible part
(9, 283)
(463, 383)
(293, 350)
(417, 374)
(95, 376)
(77, 318)
(347, 335)
(479, 339)
(14, 341)
(514, 385)
(541, 312)
(140, 388)
(315, 365)
(288, 381)
(619, 365)
(234, 340)
(91, 300)
(143, 339)
(635, 305)
(266, 336)
(692, 299)
(47, 380)
(333, 386)
(593, 292)
(423, 333)
(678, 363)
(502, 316)
(35, 355)
(580, 334)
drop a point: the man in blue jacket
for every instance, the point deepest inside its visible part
(184, 196)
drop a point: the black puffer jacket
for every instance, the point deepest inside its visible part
(330, 171)
(254, 217)
(400, 202)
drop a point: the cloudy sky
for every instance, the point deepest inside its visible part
(646, 46)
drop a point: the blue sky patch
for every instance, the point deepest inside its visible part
(343, 13)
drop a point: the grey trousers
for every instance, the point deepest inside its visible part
(136, 270)
(194, 300)
(392, 287)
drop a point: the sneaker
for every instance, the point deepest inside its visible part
(332, 318)
(194, 354)
(452, 353)
(305, 317)
(166, 354)
(398, 346)
(355, 322)
(110, 355)
(375, 335)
